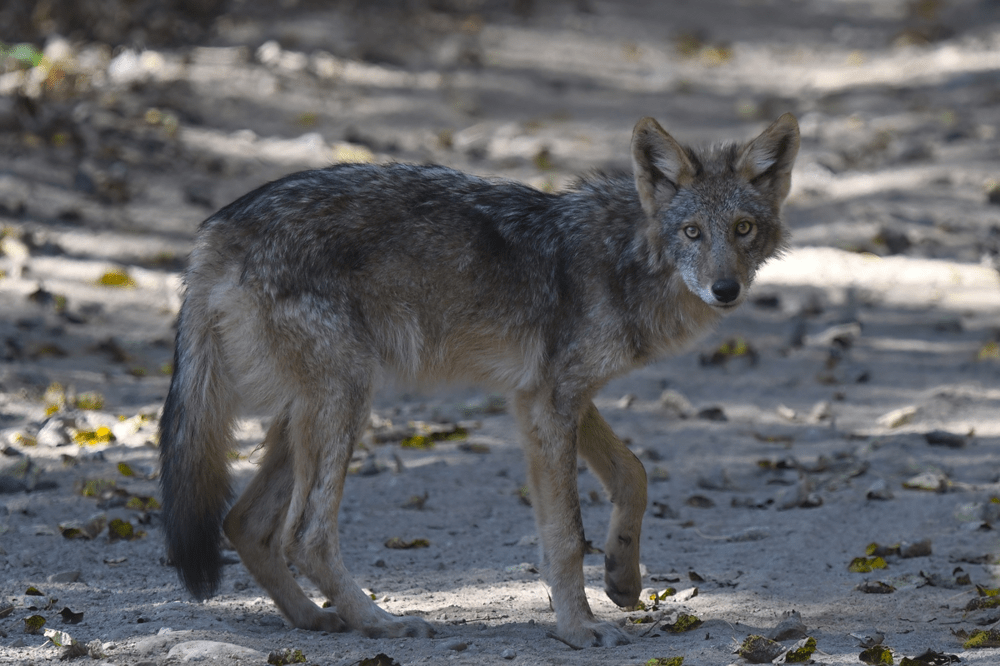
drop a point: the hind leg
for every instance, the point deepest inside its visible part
(624, 479)
(254, 527)
(323, 434)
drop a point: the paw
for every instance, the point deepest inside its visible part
(399, 627)
(594, 634)
(314, 619)
(325, 621)
(622, 582)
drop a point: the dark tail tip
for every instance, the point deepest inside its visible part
(195, 551)
(195, 491)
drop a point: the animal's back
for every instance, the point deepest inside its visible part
(446, 274)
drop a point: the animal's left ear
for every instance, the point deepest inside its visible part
(767, 160)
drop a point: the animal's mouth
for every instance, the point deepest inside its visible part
(725, 306)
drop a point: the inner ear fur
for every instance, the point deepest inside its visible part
(766, 162)
(660, 165)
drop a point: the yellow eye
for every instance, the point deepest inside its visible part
(743, 227)
(692, 232)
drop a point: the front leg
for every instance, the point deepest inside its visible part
(550, 448)
(624, 479)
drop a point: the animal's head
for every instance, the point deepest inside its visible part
(714, 215)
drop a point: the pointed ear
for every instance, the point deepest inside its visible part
(767, 160)
(660, 165)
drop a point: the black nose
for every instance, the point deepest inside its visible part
(726, 290)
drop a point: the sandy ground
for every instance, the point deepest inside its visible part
(862, 410)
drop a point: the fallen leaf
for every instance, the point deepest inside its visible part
(116, 277)
(59, 638)
(759, 650)
(399, 544)
(122, 529)
(33, 624)
(416, 501)
(982, 639)
(381, 659)
(142, 503)
(101, 435)
(286, 656)
(930, 658)
(730, 349)
(877, 656)
(87, 530)
(473, 447)
(866, 564)
(90, 400)
(69, 617)
(684, 622)
(875, 587)
(800, 652)
(944, 438)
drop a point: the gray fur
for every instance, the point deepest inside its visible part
(301, 294)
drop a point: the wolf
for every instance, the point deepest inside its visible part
(302, 294)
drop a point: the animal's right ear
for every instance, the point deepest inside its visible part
(660, 164)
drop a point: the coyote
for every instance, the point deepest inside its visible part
(304, 292)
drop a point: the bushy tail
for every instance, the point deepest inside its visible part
(195, 438)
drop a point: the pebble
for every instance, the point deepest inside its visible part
(456, 645)
(674, 403)
(55, 432)
(508, 654)
(879, 490)
(65, 577)
(791, 627)
(213, 651)
(898, 417)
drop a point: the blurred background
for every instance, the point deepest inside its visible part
(871, 352)
(146, 115)
(123, 124)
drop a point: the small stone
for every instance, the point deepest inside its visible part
(786, 413)
(821, 411)
(898, 417)
(841, 336)
(370, 466)
(791, 627)
(214, 651)
(625, 401)
(55, 432)
(918, 549)
(456, 645)
(932, 481)
(714, 413)
(879, 490)
(676, 404)
(65, 577)
(508, 654)
(993, 196)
